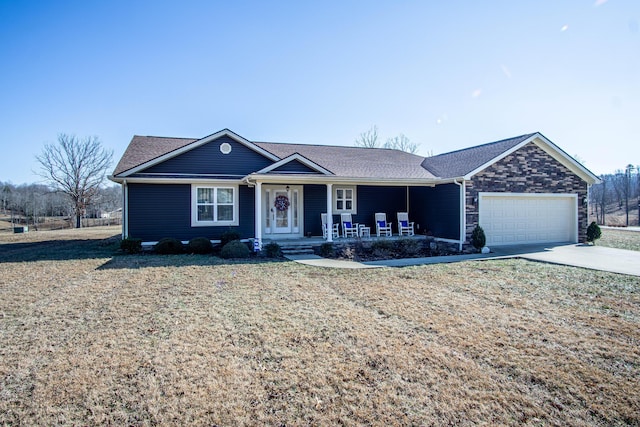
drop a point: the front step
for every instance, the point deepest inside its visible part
(289, 249)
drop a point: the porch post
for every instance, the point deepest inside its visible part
(329, 213)
(258, 213)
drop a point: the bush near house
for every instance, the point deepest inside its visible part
(131, 245)
(593, 232)
(169, 246)
(235, 249)
(478, 238)
(272, 250)
(229, 236)
(200, 245)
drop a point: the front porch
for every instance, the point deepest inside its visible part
(368, 248)
(288, 212)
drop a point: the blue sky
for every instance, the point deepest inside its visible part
(446, 74)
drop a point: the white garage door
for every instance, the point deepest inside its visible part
(512, 218)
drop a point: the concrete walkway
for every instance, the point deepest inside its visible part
(577, 255)
(318, 261)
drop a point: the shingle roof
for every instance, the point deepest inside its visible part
(142, 149)
(355, 162)
(459, 163)
(352, 162)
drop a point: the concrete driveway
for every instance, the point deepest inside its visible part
(578, 255)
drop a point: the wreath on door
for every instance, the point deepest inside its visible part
(282, 203)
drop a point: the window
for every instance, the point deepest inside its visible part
(214, 206)
(344, 199)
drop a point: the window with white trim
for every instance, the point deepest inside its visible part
(344, 200)
(214, 205)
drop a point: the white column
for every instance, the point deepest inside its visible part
(258, 212)
(329, 212)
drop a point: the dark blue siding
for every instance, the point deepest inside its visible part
(164, 210)
(315, 203)
(373, 199)
(436, 210)
(295, 166)
(207, 159)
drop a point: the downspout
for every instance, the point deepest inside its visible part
(463, 213)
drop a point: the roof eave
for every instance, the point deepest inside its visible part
(333, 179)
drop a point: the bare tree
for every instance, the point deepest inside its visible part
(5, 196)
(619, 185)
(402, 143)
(368, 139)
(75, 167)
(627, 189)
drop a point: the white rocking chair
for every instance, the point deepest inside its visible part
(382, 226)
(349, 228)
(335, 231)
(404, 226)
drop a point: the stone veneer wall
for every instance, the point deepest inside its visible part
(527, 170)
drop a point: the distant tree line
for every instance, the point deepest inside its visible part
(34, 204)
(369, 139)
(621, 190)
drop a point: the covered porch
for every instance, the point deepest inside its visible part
(288, 209)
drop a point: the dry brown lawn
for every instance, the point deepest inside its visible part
(90, 338)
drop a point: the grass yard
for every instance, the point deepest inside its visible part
(620, 239)
(91, 338)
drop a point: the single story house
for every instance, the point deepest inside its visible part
(520, 190)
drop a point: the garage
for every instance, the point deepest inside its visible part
(527, 218)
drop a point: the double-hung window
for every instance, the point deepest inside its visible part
(344, 200)
(214, 205)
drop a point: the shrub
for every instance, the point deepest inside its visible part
(408, 247)
(229, 236)
(131, 245)
(478, 239)
(169, 246)
(272, 250)
(199, 245)
(385, 245)
(235, 249)
(593, 232)
(327, 250)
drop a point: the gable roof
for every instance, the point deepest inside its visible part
(356, 162)
(144, 152)
(143, 149)
(352, 162)
(295, 157)
(462, 162)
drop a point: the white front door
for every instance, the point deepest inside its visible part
(282, 210)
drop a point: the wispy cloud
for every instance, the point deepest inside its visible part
(600, 2)
(505, 70)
